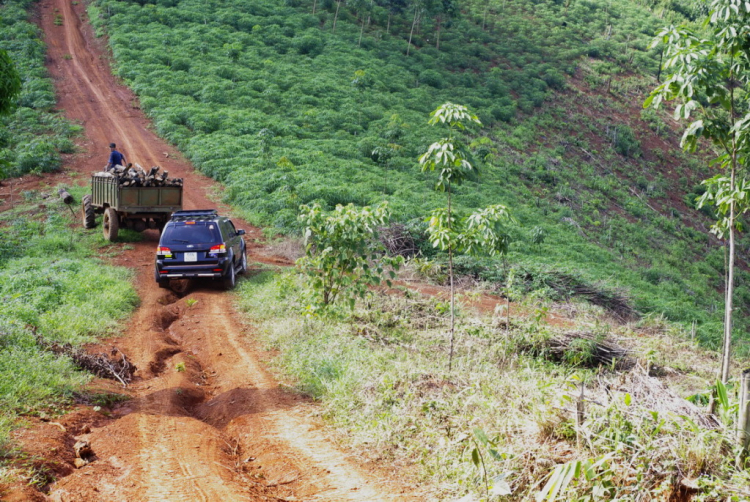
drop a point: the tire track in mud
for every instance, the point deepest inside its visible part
(205, 421)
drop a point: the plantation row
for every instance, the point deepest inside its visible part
(33, 136)
(214, 75)
(285, 111)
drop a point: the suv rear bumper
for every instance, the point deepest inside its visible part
(192, 270)
(191, 274)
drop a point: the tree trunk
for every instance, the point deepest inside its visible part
(727, 349)
(507, 313)
(361, 31)
(743, 423)
(450, 274)
(336, 16)
(413, 23)
(437, 44)
(315, 4)
(658, 74)
(388, 26)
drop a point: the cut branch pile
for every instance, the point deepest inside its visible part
(651, 393)
(138, 177)
(114, 366)
(615, 301)
(398, 241)
(586, 350)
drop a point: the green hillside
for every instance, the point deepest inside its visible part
(267, 98)
(33, 136)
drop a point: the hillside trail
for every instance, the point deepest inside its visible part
(206, 422)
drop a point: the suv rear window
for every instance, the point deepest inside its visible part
(198, 233)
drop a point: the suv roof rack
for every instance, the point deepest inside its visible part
(192, 214)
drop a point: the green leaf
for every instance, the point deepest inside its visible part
(475, 457)
(721, 392)
(481, 436)
(500, 487)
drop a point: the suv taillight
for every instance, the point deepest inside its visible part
(164, 251)
(219, 249)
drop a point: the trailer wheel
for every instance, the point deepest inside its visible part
(87, 212)
(110, 224)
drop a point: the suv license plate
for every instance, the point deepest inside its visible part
(191, 256)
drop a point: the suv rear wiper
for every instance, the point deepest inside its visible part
(180, 240)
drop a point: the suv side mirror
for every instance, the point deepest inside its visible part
(240, 232)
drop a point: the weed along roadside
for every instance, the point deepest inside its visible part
(58, 295)
(593, 408)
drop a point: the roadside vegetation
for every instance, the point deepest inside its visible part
(33, 134)
(529, 402)
(54, 288)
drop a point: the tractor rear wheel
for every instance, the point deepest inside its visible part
(110, 224)
(87, 212)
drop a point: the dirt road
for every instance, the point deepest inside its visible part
(206, 421)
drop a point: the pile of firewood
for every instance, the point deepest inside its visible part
(129, 176)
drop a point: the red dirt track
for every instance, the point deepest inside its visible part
(205, 420)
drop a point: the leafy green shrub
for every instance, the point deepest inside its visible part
(625, 142)
(310, 44)
(343, 256)
(431, 78)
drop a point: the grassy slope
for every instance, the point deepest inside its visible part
(558, 89)
(52, 282)
(33, 137)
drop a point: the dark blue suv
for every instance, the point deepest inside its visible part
(200, 243)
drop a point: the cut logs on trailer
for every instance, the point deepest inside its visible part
(132, 198)
(129, 176)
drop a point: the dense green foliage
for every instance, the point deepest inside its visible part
(51, 284)
(33, 135)
(214, 74)
(10, 83)
(264, 97)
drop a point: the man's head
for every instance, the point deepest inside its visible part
(112, 146)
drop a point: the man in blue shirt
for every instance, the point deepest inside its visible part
(115, 158)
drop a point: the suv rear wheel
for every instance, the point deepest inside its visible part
(230, 279)
(243, 262)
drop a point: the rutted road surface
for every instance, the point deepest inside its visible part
(220, 428)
